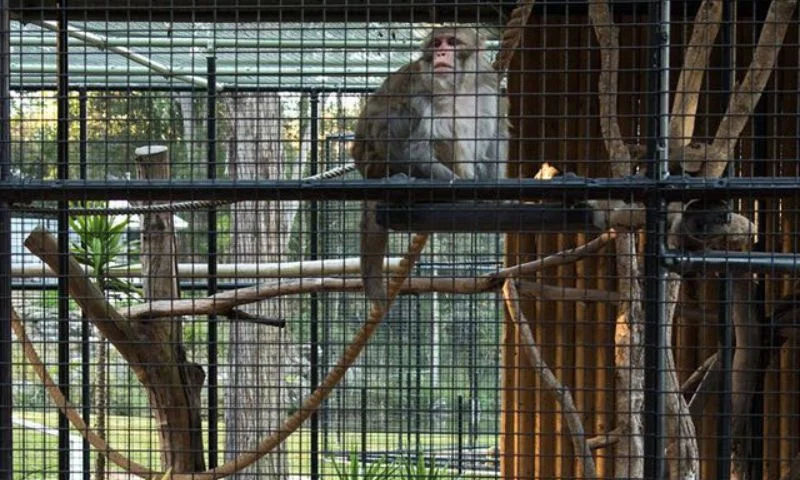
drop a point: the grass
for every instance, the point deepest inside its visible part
(36, 454)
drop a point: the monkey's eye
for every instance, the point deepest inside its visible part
(448, 41)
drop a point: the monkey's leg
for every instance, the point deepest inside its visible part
(374, 238)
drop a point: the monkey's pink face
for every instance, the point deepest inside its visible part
(444, 53)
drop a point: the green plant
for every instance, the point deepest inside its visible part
(101, 242)
(420, 471)
(355, 470)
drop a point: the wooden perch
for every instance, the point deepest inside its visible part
(560, 391)
(225, 301)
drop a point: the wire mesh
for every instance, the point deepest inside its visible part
(621, 304)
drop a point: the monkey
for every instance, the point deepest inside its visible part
(440, 117)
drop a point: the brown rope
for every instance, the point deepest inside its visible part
(289, 426)
(512, 34)
(510, 41)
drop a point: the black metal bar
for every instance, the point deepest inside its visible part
(655, 274)
(486, 217)
(213, 352)
(578, 189)
(39, 87)
(313, 221)
(62, 167)
(362, 456)
(460, 434)
(6, 399)
(86, 361)
(724, 417)
(721, 260)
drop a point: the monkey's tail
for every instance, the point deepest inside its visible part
(374, 239)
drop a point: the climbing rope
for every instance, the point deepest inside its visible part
(511, 38)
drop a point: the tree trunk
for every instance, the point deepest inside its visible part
(255, 399)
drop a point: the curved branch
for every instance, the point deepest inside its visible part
(560, 391)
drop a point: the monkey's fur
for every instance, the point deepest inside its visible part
(430, 120)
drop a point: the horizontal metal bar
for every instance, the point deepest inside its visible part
(101, 84)
(559, 189)
(282, 44)
(723, 261)
(486, 217)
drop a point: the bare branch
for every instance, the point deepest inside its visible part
(682, 449)
(695, 63)
(561, 392)
(608, 38)
(225, 301)
(745, 96)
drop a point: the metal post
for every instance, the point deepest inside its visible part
(314, 297)
(6, 427)
(86, 361)
(724, 441)
(62, 159)
(211, 174)
(654, 265)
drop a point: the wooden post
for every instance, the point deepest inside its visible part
(181, 434)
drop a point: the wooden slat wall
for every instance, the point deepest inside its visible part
(554, 109)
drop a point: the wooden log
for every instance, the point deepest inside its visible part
(180, 451)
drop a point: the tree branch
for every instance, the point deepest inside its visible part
(561, 392)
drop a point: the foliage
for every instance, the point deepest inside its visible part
(354, 470)
(420, 471)
(101, 242)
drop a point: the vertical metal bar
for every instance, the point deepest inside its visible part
(314, 312)
(460, 434)
(6, 427)
(62, 167)
(363, 454)
(724, 441)
(211, 174)
(654, 269)
(86, 370)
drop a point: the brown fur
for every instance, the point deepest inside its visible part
(441, 126)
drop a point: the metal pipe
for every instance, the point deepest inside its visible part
(724, 417)
(279, 44)
(721, 260)
(655, 273)
(101, 43)
(211, 174)
(314, 297)
(62, 167)
(568, 189)
(86, 361)
(6, 398)
(298, 69)
(101, 84)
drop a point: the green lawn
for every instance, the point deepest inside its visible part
(36, 452)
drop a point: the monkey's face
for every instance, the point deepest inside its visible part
(443, 53)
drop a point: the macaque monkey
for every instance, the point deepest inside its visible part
(441, 117)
